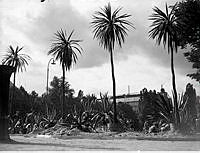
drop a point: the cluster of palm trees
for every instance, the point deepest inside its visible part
(109, 28)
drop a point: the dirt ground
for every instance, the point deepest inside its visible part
(108, 143)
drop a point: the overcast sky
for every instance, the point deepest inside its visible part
(139, 63)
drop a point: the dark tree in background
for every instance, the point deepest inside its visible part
(127, 114)
(24, 102)
(191, 105)
(188, 15)
(31, 102)
(55, 93)
(193, 57)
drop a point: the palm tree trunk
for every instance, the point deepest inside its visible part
(63, 90)
(114, 87)
(177, 118)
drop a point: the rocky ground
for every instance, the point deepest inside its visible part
(65, 133)
(61, 138)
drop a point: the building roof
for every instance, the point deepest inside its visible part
(126, 96)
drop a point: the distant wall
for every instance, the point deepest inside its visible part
(131, 99)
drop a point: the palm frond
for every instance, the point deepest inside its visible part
(109, 27)
(15, 59)
(64, 48)
(68, 39)
(164, 28)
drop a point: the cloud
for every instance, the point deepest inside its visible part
(39, 28)
(131, 72)
(55, 15)
(32, 24)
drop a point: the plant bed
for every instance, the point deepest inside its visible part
(62, 132)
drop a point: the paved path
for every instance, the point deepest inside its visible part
(51, 144)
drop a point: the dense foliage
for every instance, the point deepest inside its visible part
(187, 13)
(157, 109)
(193, 56)
(86, 113)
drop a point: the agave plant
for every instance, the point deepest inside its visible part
(49, 120)
(105, 105)
(91, 113)
(104, 113)
(80, 120)
(184, 114)
(166, 110)
(82, 114)
(164, 107)
(88, 103)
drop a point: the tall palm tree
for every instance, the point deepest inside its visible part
(110, 28)
(64, 49)
(18, 61)
(164, 29)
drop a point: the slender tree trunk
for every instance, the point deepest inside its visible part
(177, 118)
(46, 102)
(63, 90)
(114, 87)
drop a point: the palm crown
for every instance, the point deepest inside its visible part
(164, 28)
(110, 27)
(63, 49)
(15, 59)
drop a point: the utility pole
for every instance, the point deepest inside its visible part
(128, 90)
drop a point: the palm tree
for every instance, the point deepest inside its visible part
(18, 61)
(110, 28)
(64, 49)
(164, 29)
